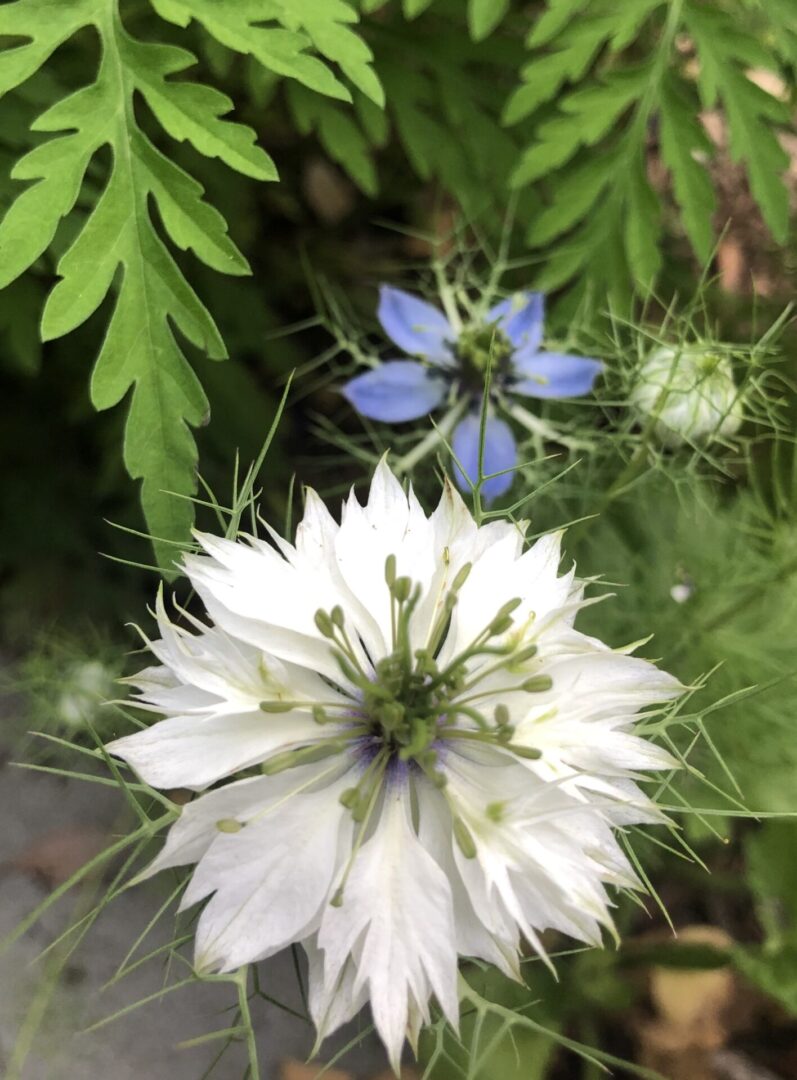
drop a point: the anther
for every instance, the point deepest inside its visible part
(537, 684)
(337, 617)
(461, 577)
(464, 839)
(525, 654)
(289, 759)
(229, 825)
(531, 753)
(401, 589)
(324, 624)
(277, 706)
(501, 715)
(390, 571)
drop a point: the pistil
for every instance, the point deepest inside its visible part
(407, 706)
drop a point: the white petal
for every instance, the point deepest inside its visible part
(258, 596)
(332, 1003)
(396, 920)
(194, 752)
(270, 882)
(474, 938)
(500, 575)
(197, 826)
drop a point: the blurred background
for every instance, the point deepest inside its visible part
(639, 166)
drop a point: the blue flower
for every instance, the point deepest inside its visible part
(451, 365)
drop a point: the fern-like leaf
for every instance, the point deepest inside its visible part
(118, 244)
(295, 25)
(338, 133)
(725, 54)
(616, 77)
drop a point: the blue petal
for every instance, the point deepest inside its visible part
(500, 452)
(521, 318)
(395, 391)
(415, 326)
(554, 375)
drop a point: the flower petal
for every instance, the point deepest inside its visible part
(415, 326)
(396, 922)
(554, 375)
(397, 390)
(194, 752)
(500, 452)
(521, 318)
(270, 885)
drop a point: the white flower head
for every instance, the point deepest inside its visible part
(434, 759)
(691, 392)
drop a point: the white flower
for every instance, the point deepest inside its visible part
(436, 757)
(691, 392)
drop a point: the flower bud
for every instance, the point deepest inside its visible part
(690, 392)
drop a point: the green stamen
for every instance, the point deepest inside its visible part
(229, 825)
(464, 838)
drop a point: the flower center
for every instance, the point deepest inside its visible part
(477, 348)
(402, 710)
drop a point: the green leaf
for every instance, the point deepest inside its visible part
(413, 8)
(339, 134)
(642, 226)
(327, 23)
(557, 15)
(445, 117)
(724, 56)
(20, 304)
(573, 197)
(772, 877)
(774, 972)
(683, 144)
(118, 245)
(588, 114)
(545, 75)
(484, 16)
(298, 24)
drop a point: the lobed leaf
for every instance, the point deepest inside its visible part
(118, 245)
(751, 111)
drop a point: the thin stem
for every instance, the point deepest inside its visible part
(437, 435)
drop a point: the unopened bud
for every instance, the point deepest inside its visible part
(688, 393)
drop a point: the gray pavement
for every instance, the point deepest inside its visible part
(142, 1044)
